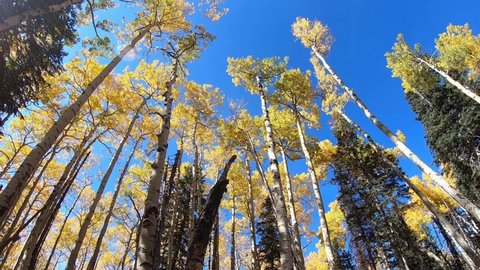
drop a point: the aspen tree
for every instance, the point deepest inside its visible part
(316, 36)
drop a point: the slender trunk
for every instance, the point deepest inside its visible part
(216, 245)
(64, 223)
(170, 185)
(46, 230)
(14, 188)
(466, 251)
(30, 14)
(278, 202)
(449, 242)
(260, 169)
(203, 228)
(318, 197)
(193, 205)
(127, 248)
(148, 226)
(251, 216)
(232, 235)
(300, 262)
(25, 257)
(173, 223)
(437, 179)
(465, 90)
(27, 197)
(96, 251)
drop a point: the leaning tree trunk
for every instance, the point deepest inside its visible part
(278, 202)
(465, 90)
(318, 197)
(300, 262)
(11, 193)
(30, 14)
(91, 211)
(113, 202)
(251, 217)
(203, 228)
(437, 179)
(148, 225)
(465, 250)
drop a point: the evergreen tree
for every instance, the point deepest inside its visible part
(269, 244)
(452, 126)
(31, 50)
(371, 196)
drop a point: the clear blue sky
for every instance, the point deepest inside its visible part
(364, 32)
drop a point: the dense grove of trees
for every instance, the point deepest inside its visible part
(138, 169)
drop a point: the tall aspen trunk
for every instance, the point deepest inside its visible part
(167, 195)
(148, 226)
(278, 202)
(437, 179)
(232, 235)
(24, 204)
(25, 257)
(98, 195)
(318, 197)
(46, 230)
(194, 191)
(300, 262)
(30, 14)
(64, 223)
(260, 170)
(465, 90)
(216, 245)
(14, 188)
(203, 228)
(113, 202)
(173, 222)
(251, 217)
(465, 250)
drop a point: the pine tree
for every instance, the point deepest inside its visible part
(371, 196)
(269, 244)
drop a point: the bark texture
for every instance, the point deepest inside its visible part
(203, 228)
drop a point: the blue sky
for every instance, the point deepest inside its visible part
(364, 31)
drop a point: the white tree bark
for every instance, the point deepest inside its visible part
(286, 252)
(437, 178)
(148, 226)
(297, 241)
(465, 90)
(318, 197)
(251, 216)
(465, 250)
(11, 193)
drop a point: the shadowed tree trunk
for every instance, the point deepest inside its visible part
(203, 228)
(30, 14)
